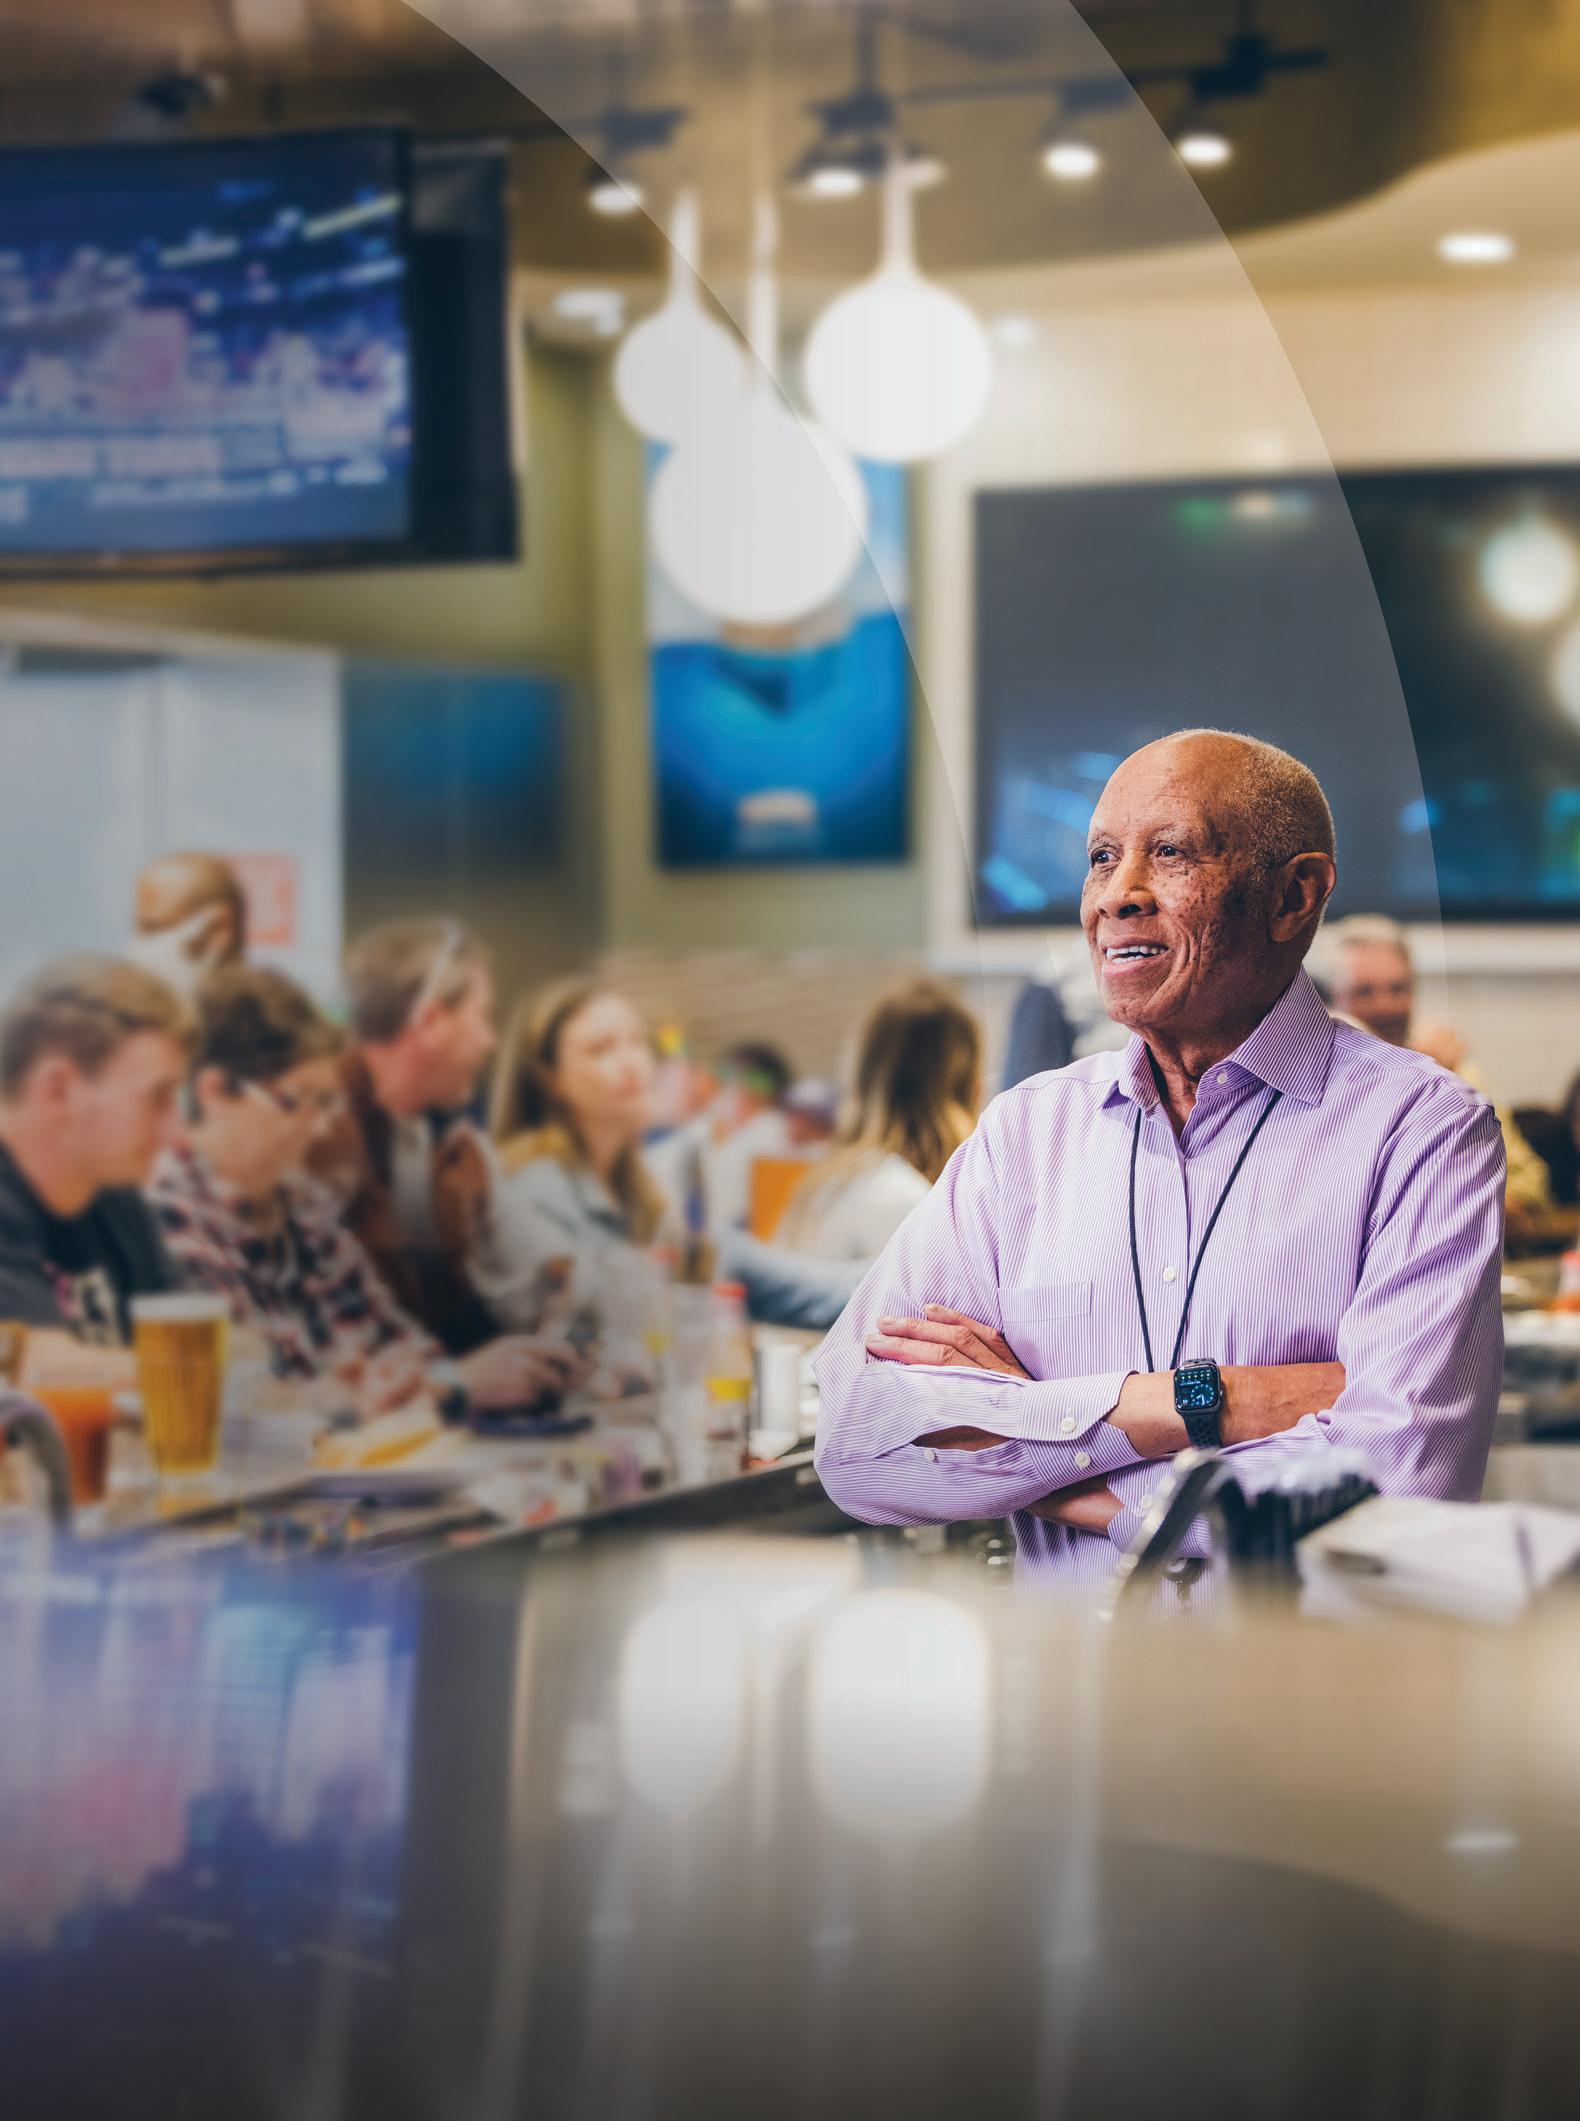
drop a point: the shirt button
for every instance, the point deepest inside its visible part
(1083, 1459)
(1222, 1078)
(1170, 1274)
(1067, 1426)
(930, 1454)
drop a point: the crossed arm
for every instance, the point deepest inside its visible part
(1259, 1400)
(931, 1417)
(928, 1416)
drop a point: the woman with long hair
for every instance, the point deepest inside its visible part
(916, 1087)
(573, 1096)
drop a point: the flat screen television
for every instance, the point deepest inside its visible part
(261, 352)
(1298, 609)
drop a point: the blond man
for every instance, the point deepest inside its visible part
(93, 1053)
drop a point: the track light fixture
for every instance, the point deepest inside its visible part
(839, 169)
(855, 134)
(620, 131)
(613, 195)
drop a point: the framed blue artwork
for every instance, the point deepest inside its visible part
(790, 745)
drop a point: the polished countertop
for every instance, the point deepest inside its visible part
(741, 1827)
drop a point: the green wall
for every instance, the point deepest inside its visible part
(572, 608)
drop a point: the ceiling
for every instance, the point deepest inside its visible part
(1408, 81)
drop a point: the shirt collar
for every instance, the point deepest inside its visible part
(1289, 1051)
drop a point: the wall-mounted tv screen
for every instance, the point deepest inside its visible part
(225, 353)
(1109, 615)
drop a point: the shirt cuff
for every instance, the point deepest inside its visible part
(1061, 1410)
(1129, 1530)
(1103, 1450)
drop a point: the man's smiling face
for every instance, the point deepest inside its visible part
(1176, 903)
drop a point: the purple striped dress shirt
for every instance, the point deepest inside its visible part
(1365, 1227)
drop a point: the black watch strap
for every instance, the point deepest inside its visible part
(1198, 1401)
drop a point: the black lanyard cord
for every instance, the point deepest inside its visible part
(1201, 1249)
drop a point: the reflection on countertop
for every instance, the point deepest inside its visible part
(760, 1827)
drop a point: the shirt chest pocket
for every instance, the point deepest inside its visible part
(1047, 1324)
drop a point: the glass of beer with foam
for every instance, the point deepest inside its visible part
(181, 1347)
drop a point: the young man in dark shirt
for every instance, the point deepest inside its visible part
(93, 1053)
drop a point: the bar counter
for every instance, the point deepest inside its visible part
(759, 1827)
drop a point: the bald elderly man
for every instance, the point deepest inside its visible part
(1253, 1227)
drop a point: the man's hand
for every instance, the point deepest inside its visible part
(516, 1372)
(944, 1336)
(393, 1378)
(1087, 1508)
(1442, 1043)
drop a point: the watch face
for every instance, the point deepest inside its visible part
(1197, 1389)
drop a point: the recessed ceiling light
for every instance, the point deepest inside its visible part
(1475, 246)
(1014, 334)
(1204, 147)
(588, 305)
(1071, 161)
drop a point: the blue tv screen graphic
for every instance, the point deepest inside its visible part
(795, 748)
(205, 347)
(1414, 636)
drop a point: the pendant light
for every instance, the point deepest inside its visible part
(757, 517)
(676, 365)
(898, 368)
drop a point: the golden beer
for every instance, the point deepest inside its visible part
(181, 1349)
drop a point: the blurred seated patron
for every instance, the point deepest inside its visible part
(413, 1173)
(1555, 1136)
(190, 918)
(240, 1216)
(705, 1166)
(1371, 979)
(93, 1052)
(811, 1110)
(917, 1085)
(1251, 1229)
(1040, 1033)
(572, 1103)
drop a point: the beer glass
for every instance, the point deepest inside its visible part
(84, 1411)
(181, 1348)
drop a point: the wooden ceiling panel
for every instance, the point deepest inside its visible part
(1408, 81)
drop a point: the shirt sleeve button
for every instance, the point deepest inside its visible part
(930, 1455)
(1083, 1459)
(1067, 1426)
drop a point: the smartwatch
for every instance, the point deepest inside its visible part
(1198, 1401)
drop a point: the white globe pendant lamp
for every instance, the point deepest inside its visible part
(898, 368)
(756, 516)
(675, 365)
